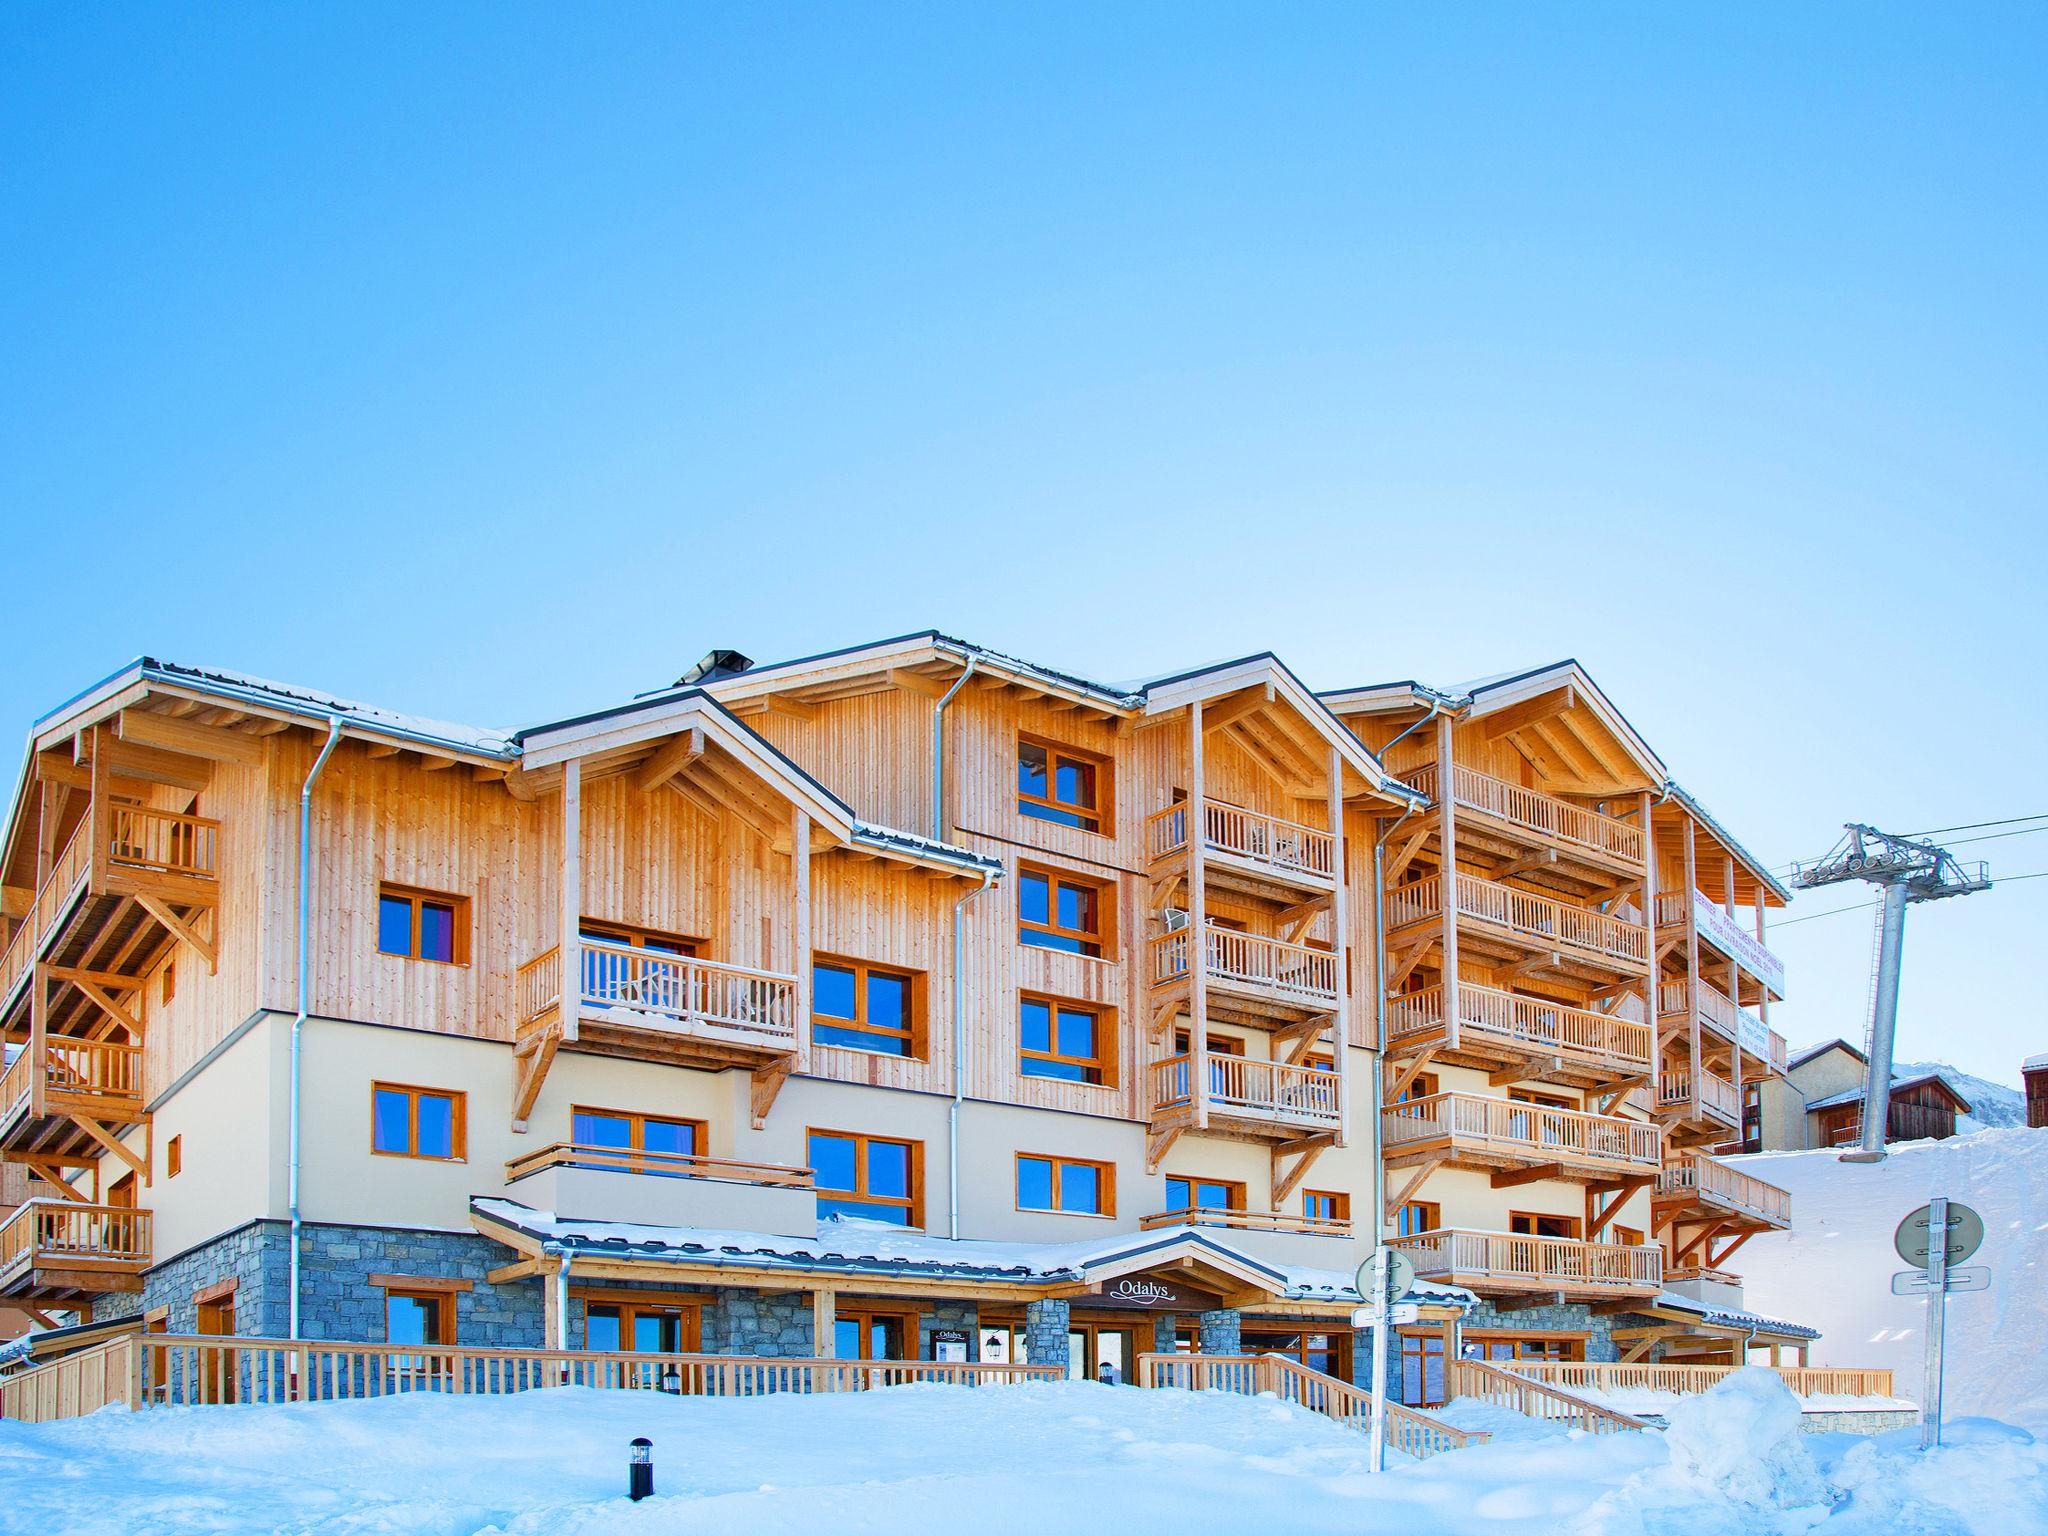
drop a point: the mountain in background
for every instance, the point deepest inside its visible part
(1992, 1105)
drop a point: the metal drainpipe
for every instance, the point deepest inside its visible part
(305, 994)
(562, 1303)
(988, 878)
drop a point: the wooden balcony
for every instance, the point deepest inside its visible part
(57, 1252)
(1503, 922)
(1701, 1100)
(1496, 1028)
(652, 1005)
(1251, 979)
(1261, 855)
(1495, 1262)
(1720, 1017)
(1506, 817)
(1254, 1099)
(100, 1080)
(1480, 1132)
(1718, 931)
(1700, 1182)
(1248, 1221)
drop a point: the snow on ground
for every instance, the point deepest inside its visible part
(1833, 1269)
(1041, 1459)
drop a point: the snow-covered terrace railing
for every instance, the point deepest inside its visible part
(1248, 1221)
(668, 989)
(1551, 819)
(1292, 850)
(1533, 1399)
(1256, 1090)
(1511, 1259)
(1801, 1380)
(662, 1165)
(1553, 924)
(1292, 1382)
(157, 1370)
(1716, 1183)
(1490, 1017)
(1535, 1132)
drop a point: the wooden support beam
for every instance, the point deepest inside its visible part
(918, 682)
(1402, 962)
(182, 930)
(1406, 1192)
(531, 1072)
(1231, 708)
(94, 986)
(1397, 866)
(1407, 1075)
(671, 759)
(143, 729)
(1509, 1178)
(824, 1323)
(1545, 705)
(1158, 1143)
(51, 1172)
(107, 1139)
(1623, 1192)
(1305, 1152)
(1525, 1070)
(505, 1274)
(767, 1084)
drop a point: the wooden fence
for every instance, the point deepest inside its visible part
(1803, 1380)
(1414, 1433)
(156, 1370)
(1504, 1389)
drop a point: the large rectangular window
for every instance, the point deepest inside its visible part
(1070, 1185)
(417, 1122)
(1064, 911)
(1189, 1194)
(863, 1007)
(422, 925)
(1072, 1042)
(638, 1325)
(617, 1130)
(419, 1317)
(1061, 785)
(1535, 1224)
(871, 1177)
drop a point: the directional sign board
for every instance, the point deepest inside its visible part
(1400, 1272)
(1399, 1313)
(1965, 1234)
(1914, 1282)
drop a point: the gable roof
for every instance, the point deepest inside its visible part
(1918, 1080)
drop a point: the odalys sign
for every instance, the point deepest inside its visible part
(1149, 1293)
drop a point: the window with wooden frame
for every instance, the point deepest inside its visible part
(1218, 1045)
(1187, 1193)
(665, 1137)
(1060, 910)
(422, 925)
(1539, 1096)
(1328, 1205)
(168, 982)
(1536, 1224)
(406, 1121)
(1070, 1186)
(639, 1322)
(174, 1157)
(1070, 1042)
(419, 1316)
(1421, 1086)
(1063, 785)
(859, 1006)
(1418, 1216)
(1632, 1236)
(1554, 1347)
(875, 1178)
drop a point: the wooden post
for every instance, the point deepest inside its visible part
(99, 814)
(1692, 955)
(824, 1314)
(1763, 988)
(1340, 934)
(1650, 973)
(1198, 938)
(38, 1049)
(800, 894)
(571, 919)
(1447, 834)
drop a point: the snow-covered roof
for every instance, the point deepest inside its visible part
(844, 1244)
(1918, 1080)
(1801, 1057)
(1729, 1317)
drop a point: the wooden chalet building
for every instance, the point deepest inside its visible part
(907, 1001)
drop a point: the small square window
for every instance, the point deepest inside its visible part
(1069, 1042)
(871, 1177)
(1068, 912)
(417, 1122)
(422, 925)
(861, 1007)
(1061, 785)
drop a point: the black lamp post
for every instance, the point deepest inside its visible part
(640, 1469)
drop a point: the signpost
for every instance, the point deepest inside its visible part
(1938, 1236)
(1382, 1280)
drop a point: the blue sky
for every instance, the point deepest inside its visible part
(495, 361)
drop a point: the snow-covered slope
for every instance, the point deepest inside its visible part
(1993, 1106)
(1065, 1459)
(1834, 1269)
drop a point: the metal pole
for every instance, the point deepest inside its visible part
(1884, 1019)
(1937, 1318)
(1378, 1302)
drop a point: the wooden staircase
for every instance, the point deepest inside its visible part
(1414, 1433)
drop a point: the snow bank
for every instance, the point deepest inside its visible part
(1834, 1268)
(1034, 1460)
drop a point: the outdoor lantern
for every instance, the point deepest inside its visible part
(640, 1469)
(672, 1381)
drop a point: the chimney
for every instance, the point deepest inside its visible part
(716, 664)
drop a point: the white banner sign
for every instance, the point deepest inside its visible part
(1726, 935)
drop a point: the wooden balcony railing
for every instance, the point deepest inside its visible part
(68, 1234)
(1715, 1096)
(660, 1165)
(1537, 1263)
(1290, 849)
(163, 842)
(170, 1370)
(1517, 1023)
(1265, 1090)
(1553, 924)
(1414, 1433)
(1534, 1133)
(1249, 1221)
(1717, 928)
(70, 869)
(1720, 1015)
(1802, 1380)
(1487, 1383)
(1716, 1183)
(656, 990)
(1551, 819)
(1248, 962)
(97, 1077)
